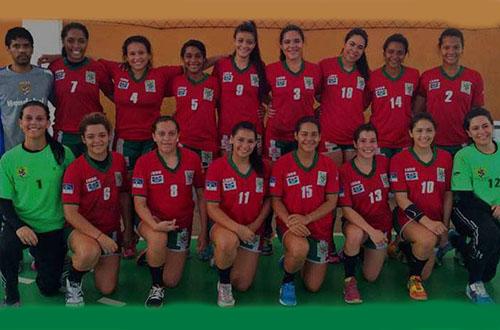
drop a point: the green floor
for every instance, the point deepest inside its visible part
(193, 303)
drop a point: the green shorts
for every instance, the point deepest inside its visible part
(179, 240)
(278, 148)
(254, 246)
(207, 157)
(116, 236)
(132, 150)
(389, 152)
(318, 249)
(72, 141)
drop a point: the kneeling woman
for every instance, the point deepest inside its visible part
(304, 185)
(365, 207)
(420, 178)
(95, 194)
(162, 186)
(236, 201)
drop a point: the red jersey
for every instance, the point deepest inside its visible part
(448, 99)
(292, 97)
(96, 191)
(76, 91)
(138, 102)
(392, 100)
(240, 195)
(344, 98)
(195, 111)
(239, 95)
(168, 191)
(367, 194)
(303, 190)
(425, 184)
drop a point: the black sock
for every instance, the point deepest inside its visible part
(76, 275)
(350, 265)
(225, 275)
(156, 275)
(288, 277)
(416, 266)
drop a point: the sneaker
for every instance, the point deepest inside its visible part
(287, 294)
(459, 258)
(155, 297)
(416, 289)
(5, 304)
(129, 252)
(140, 260)
(351, 292)
(477, 293)
(267, 247)
(207, 253)
(74, 294)
(225, 295)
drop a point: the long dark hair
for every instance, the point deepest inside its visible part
(288, 28)
(255, 159)
(56, 147)
(136, 39)
(72, 26)
(362, 62)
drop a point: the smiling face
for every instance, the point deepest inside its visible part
(34, 122)
(244, 44)
(244, 142)
(451, 50)
(292, 45)
(353, 49)
(480, 130)
(394, 55)
(20, 51)
(423, 134)
(366, 145)
(166, 136)
(75, 43)
(137, 56)
(97, 139)
(308, 137)
(193, 60)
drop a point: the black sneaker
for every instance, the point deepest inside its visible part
(5, 304)
(155, 297)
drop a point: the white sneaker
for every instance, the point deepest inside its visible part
(74, 294)
(225, 295)
(155, 297)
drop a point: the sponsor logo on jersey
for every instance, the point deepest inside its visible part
(434, 84)
(254, 80)
(137, 183)
(181, 91)
(292, 179)
(208, 94)
(280, 82)
(341, 192)
(332, 79)
(22, 172)
(90, 77)
(189, 175)
(123, 83)
(272, 182)
(441, 174)
(393, 177)
(211, 185)
(24, 87)
(92, 184)
(118, 179)
(68, 188)
(228, 184)
(385, 180)
(259, 185)
(360, 84)
(411, 174)
(466, 87)
(357, 188)
(157, 177)
(322, 176)
(150, 86)
(309, 82)
(481, 172)
(456, 173)
(227, 77)
(59, 75)
(409, 89)
(380, 92)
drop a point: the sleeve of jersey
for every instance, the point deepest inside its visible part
(332, 182)
(478, 96)
(448, 171)
(213, 184)
(105, 79)
(6, 185)
(318, 84)
(276, 180)
(69, 157)
(267, 177)
(461, 179)
(216, 70)
(125, 188)
(170, 88)
(169, 72)
(345, 191)
(71, 187)
(199, 176)
(110, 67)
(2, 145)
(139, 179)
(396, 175)
(422, 86)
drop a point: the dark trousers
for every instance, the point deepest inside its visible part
(482, 252)
(49, 256)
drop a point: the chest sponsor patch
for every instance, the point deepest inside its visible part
(90, 77)
(259, 185)
(254, 80)
(466, 87)
(322, 178)
(380, 92)
(357, 188)
(434, 84)
(409, 89)
(208, 94)
(393, 177)
(441, 175)
(360, 83)
(123, 83)
(309, 82)
(156, 177)
(92, 184)
(292, 179)
(118, 179)
(24, 87)
(211, 185)
(272, 182)
(150, 86)
(59, 75)
(385, 180)
(280, 82)
(68, 188)
(411, 174)
(181, 91)
(229, 184)
(189, 175)
(137, 183)
(341, 192)
(332, 79)
(227, 77)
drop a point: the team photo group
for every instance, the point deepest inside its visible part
(404, 161)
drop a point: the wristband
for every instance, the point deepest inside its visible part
(414, 213)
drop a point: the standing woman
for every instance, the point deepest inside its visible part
(162, 186)
(95, 195)
(243, 85)
(420, 178)
(449, 91)
(30, 201)
(364, 199)
(196, 95)
(476, 213)
(294, 84)
(392, 91)
(304, 187)
(77, 82)
(236, 194)
(344, 96)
